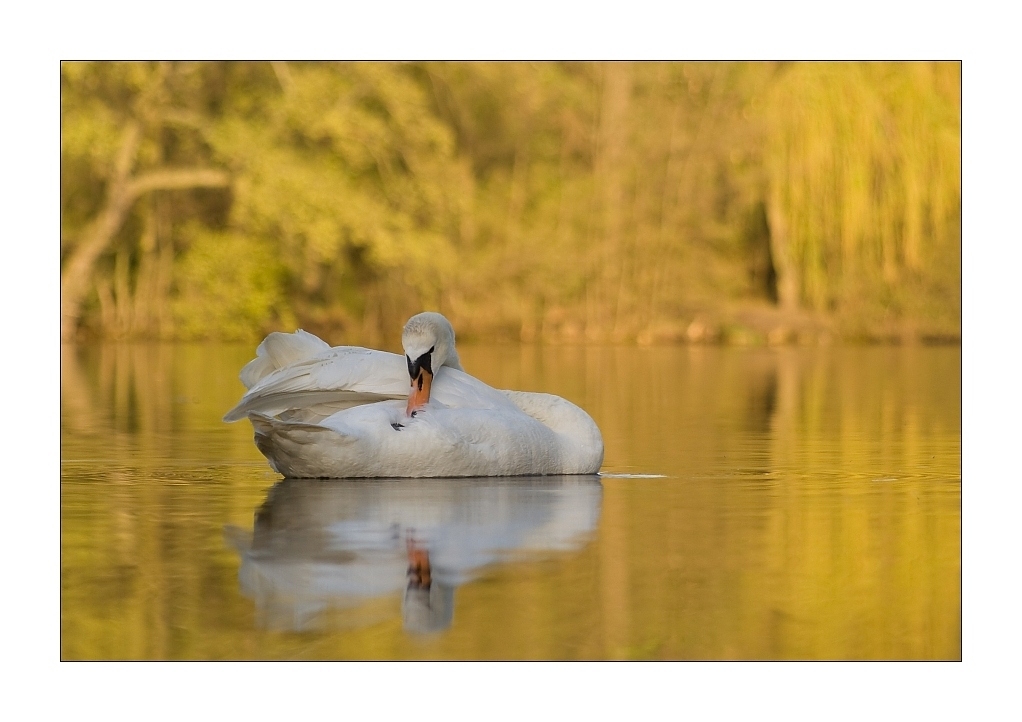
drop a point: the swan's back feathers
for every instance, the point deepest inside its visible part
(279, 350)
(324, 383)
(303, 406)
(582, 437)
(312, 389)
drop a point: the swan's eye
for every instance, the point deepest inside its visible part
(431, 349)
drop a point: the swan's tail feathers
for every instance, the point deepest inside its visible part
(303, 406)
(296, 449)
(279, 350)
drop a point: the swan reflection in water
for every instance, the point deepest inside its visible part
(323, 546)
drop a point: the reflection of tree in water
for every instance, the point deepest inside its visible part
(809, 556)
(762, 399)
(322, 553)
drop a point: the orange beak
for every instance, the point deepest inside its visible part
(419, 395)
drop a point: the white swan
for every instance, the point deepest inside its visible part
(350, 412)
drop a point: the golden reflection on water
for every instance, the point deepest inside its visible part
(810, 509)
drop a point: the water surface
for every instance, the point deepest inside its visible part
(792, 503)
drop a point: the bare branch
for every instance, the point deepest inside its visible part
(126, 153)
(75, 277)
(121, 194)
(165, 179)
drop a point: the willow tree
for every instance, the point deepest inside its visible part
(525, 200)
(864, 192)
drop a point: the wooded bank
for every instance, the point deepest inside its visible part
(629, 202)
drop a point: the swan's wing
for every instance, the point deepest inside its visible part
(279, 350)
(457, 389)
(314, 388)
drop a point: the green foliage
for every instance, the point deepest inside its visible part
(90, 129)
(229, 287)
(615, 201)
(351, 180)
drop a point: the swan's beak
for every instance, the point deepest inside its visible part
(419, 395)
(421, 373)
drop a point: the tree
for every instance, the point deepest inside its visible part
(864, 183)
(143, 110)
(577, 201)
(337, 197)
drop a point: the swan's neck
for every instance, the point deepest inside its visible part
(453, 361)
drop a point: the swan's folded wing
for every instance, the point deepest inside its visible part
(314, 388)
(279, 350)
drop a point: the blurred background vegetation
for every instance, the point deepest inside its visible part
(622, 202)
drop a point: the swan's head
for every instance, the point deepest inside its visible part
(428, 341)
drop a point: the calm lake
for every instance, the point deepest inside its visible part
(788, 503)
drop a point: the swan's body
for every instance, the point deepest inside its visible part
(341, 412)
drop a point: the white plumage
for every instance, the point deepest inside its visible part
(340, 412)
